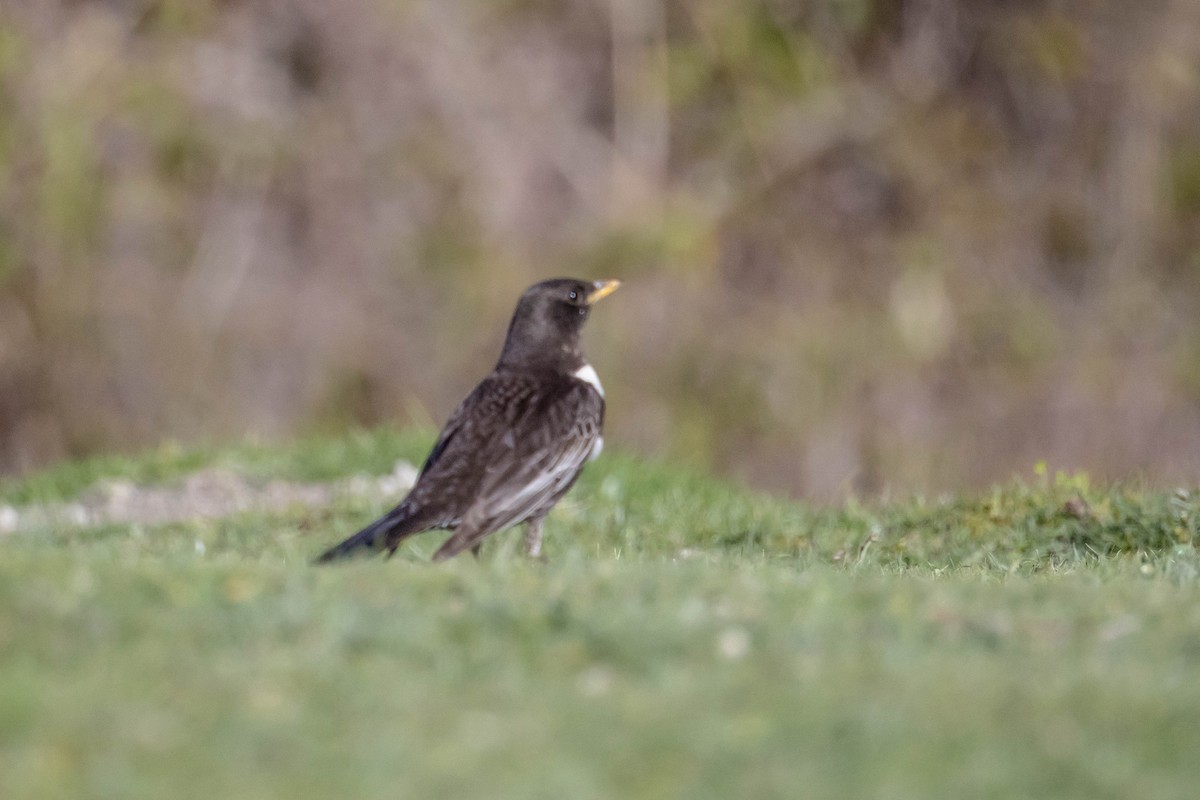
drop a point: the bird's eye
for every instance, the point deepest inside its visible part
(574, 295)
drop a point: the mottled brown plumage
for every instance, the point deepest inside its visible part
(517, 442)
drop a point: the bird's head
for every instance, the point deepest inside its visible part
(545, 327)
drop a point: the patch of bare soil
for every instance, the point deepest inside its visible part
(207, 494)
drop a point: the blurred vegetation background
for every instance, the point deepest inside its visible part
(870, 245)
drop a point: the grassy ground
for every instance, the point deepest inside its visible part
(687, 639)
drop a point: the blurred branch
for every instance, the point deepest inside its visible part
(640, 107)
(1162, 76)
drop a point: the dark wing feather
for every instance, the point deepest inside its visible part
(439, 446)
(534, 463)
(469, 408)
(450, 478)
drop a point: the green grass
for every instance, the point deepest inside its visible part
(687, 639)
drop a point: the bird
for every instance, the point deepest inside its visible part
(518, 441)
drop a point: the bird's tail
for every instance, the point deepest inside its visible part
(385, 532)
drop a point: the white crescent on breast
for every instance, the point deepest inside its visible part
(587, 374)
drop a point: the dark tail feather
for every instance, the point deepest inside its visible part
(385, 532)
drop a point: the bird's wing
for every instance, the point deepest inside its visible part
(450, 477)
(449, 431)
(536, 459)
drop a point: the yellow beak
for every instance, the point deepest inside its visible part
(602, 290)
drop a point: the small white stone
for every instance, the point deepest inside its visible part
(404, 473)
(587, 374)
(734, 643)
(76, 514)
(361, 484)
(595, 680)
(118, 493)
(1119, 628)
(400, 479)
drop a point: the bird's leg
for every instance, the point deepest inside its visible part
(533, 538)
(476, 548)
